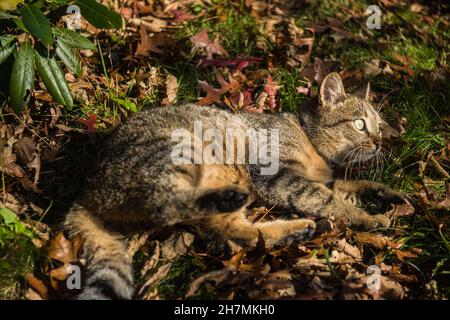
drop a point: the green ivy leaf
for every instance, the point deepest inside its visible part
(22, 77)
(53, 78)
(37, 23)
(74, 39)
(69, 56)
(12, 222)
(98, 15)
(127, 103)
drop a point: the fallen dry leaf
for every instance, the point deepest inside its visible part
(39, 288)
(160, 274)
(176, 245)
(171, 90)
(212, 94)
(271, 89)
(153, 260)
(400, 210)
(181, 16)
(62, 249)
(201, 40)
(216, 276)
(91, 126)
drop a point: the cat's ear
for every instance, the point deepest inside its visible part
(364, 92)
(367, 91)
(331, 90)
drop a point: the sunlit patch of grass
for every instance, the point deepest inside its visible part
(421, 56)
(17, 255)
(423, 109)
(238, 30)
(356, 54)
(289, 98)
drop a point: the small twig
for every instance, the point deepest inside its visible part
(438, 167)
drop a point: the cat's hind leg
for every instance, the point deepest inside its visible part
(238, 228)
(289, 189)
(109, 268)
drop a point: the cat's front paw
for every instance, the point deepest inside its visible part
(380, 198)
(298, 230)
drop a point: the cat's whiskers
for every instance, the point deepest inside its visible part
(355, 160)
(351, 162)
(384, 97)
(360, 154)
(348, 155)
(387, 154)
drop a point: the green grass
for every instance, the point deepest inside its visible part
(17, 259)
(182, 272)
(422, 56)
(17, 255)
(289, 98)
(238, 30)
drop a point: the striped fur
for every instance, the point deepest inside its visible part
(135, 186)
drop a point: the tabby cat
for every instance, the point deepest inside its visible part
(135, 185)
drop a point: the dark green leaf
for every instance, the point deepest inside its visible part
(22, 77)
(20, 24)
(53, 78)
(6, 40)
(74, 39)
(98, 15)
(5, 53)
(69, 56)
(37, 23)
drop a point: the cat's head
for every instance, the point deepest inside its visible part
(347, 128)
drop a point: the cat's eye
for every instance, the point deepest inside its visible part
(359, 124)
(379, 126)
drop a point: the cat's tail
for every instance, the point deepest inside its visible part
(109, 269)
